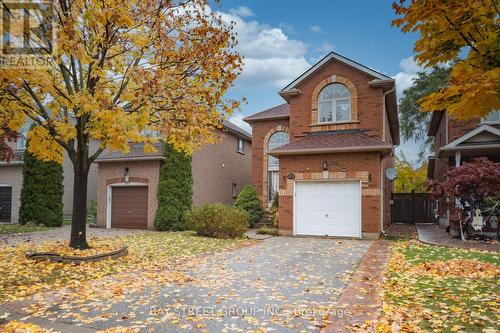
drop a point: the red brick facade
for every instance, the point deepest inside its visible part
(343, 166)
(367, 167)
(369, 101)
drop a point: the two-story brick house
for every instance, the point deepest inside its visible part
(325, 151)
(456, 141)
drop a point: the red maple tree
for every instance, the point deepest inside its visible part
(470, 184)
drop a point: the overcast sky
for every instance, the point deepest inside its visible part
(280, 39)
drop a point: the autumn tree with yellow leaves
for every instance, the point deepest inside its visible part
(123, 69)
(466, 34)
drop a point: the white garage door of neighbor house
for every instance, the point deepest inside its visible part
(328, 209)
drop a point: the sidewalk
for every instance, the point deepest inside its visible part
(434, 235)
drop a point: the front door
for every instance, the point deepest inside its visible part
(273, 181)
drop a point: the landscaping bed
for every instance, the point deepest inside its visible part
(149, 251)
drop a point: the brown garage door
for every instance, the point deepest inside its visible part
(129, 207)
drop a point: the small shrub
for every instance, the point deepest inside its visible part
(249, 201)
(217, 220)
(274, 211)
(268, 231)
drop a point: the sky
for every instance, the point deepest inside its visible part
(280, 39)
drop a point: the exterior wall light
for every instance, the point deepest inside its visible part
(325, 166)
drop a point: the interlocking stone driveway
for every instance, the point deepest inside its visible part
(281, 284)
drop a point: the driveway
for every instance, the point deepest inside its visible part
(281, 284)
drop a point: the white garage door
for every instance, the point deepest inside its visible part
(328, 209)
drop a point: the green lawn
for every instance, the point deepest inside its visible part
(443, 289)
(416, 253)
(17, 228)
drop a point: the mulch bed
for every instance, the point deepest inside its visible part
(402, 230)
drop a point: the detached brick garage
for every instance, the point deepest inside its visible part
(127, 184)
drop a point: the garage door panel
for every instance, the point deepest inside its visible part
(328, 208)
(5, 203)
(129, 207)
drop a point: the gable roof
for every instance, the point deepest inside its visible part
(326, 59)
(483, 140)
(277, 112)
(468, 139)
(434, 123)
(234, 129)
(331, 142)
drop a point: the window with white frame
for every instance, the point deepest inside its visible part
(240, 146)
(276, 140)
(23, 137)
(492, 117)
(334, 104)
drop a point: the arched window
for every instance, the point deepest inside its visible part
(276, 140)
(334, 104)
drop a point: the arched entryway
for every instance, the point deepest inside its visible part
(277, 139)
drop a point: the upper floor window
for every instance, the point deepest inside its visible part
(240, 146)
(334, 104)
(23, 137)
(492, 117)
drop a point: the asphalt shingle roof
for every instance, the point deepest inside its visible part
(331, 140)
(280, 111)
(136, 150)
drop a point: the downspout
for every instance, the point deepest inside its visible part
(382, 180)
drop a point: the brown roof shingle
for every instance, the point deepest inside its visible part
(340, 141)
(280, 111)
(136, 152)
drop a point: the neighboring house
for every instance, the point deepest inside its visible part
(219, 173)
(11, 181)
(456, 141)
(326, 150)
(127, 183)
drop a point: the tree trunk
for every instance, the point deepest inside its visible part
(78, 224)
